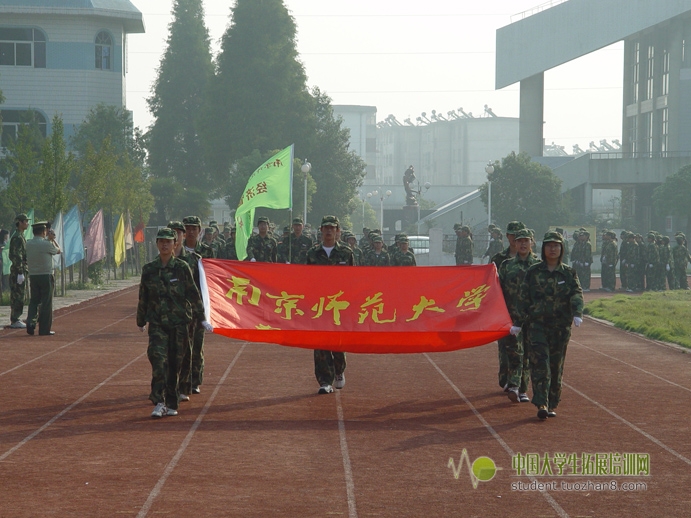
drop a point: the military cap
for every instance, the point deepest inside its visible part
(213, 222)
(166, 233)
(372, 233)
(38, 226)
(514, 226)
(680, 234)
(21, 217)
(403, 239)
(366, 230)
(465, 228)
(665, 239)
(297, 221)
(623, 233)
(209, 230)
(232, 229)
(176, 225)
(377, 239)
(523, 233)
(495, 230)
(286, 229)
(611, 233)
(226, 225)
(192, 221)
(457, 226)
(263, 219)
(553, 237)
(329, 221)
(491, 227)
(651, 235)
(630, 235)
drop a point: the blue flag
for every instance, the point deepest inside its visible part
(73, 244)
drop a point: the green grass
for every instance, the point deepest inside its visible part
(662, 316)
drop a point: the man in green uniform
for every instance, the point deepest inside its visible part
(193, 227)
(377, 256)
(299, 242)
(404, 257)
(623, 260)
(651, 260)
(168, 301)
(329, 366)
(231, 253)
(262, 247)
(550, 300)
(495, 245)
(667, 262)
(498, 259)
(283, 246)
(351, 241)
(39, 258)
(511, 275)
(18, 271)
(608, 260)
(633, 262)
(681, 258)
(582, 257)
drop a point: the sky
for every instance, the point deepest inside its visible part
(407, 57)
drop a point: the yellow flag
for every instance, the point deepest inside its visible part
(119, 241)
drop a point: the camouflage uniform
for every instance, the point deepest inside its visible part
(406, 258)
(633, 263)
(511, 275)
(168, 302)
(262, 249)
(328, 364)
(231, 253)
(495, 246)
(464, 248)
(582, 258)
(667, 264)
(548, 302)
(299, 247)
(17, 256)
(608, 260)
(681, 258)
(374, 259)
(652, 260)
(623, 259)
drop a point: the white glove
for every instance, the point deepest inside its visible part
(515, 330)
(632, 265)
(207, 327)
(287, 262)
(577, 321)
(20, 278)
(587, 264)
(667, 267)
(253, 260)
(142, 328)
(650, 266)
(611, 266)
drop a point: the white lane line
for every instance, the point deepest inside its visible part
(350, 485)
(557, 508)
(63, 412)
(185, 443)
(63, 346)
(630, 365)
(631, 425)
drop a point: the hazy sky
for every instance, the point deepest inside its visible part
(406, 57)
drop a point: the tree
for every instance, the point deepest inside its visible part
(173, 201)
(258, 99)
(525, 191)
(174, 144)
(91, 174)
(672, 197)
(55, 172)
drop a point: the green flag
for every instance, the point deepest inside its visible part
(269, 186)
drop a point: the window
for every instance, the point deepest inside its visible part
(633, 134)
(635, 71)
(104, 51)
(664, 137)
(22, 47)
(12, 119)
(665, 72)
(650, 84)
(647, 136)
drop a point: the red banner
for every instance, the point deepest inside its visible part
(357, 309)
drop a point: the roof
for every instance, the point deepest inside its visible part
(573, 29)
(123, 10)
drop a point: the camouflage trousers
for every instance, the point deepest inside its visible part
(584, 275)
(503, 373)
(681, 281)
(166, 347)
(623, 276)
(192, 371)
(327, 364)
(547, 351)
(671, 279)
(518, 367)
(609, 277)
(17, 296)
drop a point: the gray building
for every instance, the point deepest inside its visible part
(656, 102)
(362, 123)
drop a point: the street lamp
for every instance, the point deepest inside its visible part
(306, 168)
(364, 198)
(489, 169)
(382, 196)
(419, 194)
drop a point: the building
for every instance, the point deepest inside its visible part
(362, 123)
(656, 101)
(63, 57)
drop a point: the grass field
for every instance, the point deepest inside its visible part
(662, 316)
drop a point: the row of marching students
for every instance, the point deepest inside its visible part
(544, 299)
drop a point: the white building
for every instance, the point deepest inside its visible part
(63, 57)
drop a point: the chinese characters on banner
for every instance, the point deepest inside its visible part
(360, 309)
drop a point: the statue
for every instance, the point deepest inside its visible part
(408, 178)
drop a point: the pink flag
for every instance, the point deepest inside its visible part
(95, 241)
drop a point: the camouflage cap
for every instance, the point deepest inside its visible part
(465, 228)
(665, 239)
(377, 239)
(263, 219)
(403, 239)
(553, 237)
(366, 230)
(226, 225)
(286, 229)
(192, 221)
(611, 233)
(176, 225)
(21, 217)
(680, 234)
(213, 222)
(651, 235)
(298, 220)
(457, 226)
(166, 233)
(523, 233)
(560, 230)
(330, 221)
(209, 230)
(514, 226)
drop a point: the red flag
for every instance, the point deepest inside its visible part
(139, 232)
(357, 309)
(95, 241)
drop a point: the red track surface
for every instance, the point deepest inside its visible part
(76, 438)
